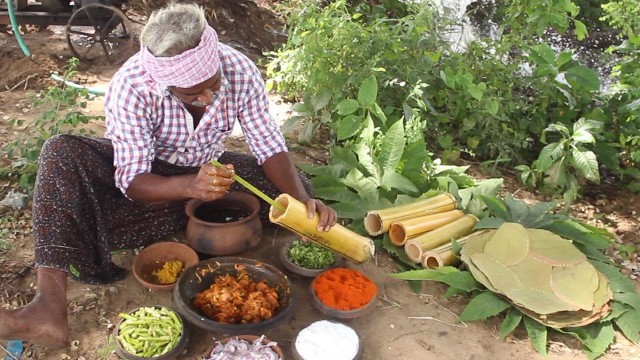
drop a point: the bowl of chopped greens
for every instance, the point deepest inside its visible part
(158, 266)
(150, 332)
(307, 258)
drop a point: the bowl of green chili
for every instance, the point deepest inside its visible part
(307, 258)
(150, 332)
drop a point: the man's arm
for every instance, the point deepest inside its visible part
(208, 184)
(268, 145)
(284, 175)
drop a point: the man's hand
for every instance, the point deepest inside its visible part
(212, 182)
(283, 174)
(328, 216)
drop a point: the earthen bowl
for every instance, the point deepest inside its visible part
(296, 355)
(173, 353)
(152, 257)
(342, 314)
(297, 269)
(200, 277)
(226, 226)
(249, 338)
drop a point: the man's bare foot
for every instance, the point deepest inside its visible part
(44, 320)
(39, 322)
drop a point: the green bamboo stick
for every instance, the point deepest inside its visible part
(253, 189)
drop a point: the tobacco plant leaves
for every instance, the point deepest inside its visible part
(540, 273)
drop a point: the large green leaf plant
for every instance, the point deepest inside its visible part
(380, 161)
(366, 168)
(592, 241)
(563, 166)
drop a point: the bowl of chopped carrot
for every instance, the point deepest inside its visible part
(158, 266)
(234, 295)
(343, 293)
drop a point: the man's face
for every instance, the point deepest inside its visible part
(200, 95)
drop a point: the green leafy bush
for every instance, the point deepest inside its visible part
(332, 49)
(624, 15)
(494, 100)
(535, 17)
(620, 149)
(61, 112)
(564, 165)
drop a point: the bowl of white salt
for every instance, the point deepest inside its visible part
(327, 340)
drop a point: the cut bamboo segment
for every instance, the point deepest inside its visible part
(402, 230)
(434, 260)
(414, 248)
(443, 254)
(377, 222)
(339, 239)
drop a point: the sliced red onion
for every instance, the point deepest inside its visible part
(241, 349)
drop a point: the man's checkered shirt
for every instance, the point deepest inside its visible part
(145, 121)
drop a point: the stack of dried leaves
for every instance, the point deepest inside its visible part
(542, 274)
(544, 270)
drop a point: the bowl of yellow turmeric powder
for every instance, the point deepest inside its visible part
(158, 266)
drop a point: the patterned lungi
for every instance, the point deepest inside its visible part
(80, 216)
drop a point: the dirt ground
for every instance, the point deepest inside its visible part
(387, 333)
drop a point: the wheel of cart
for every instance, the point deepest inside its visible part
(99, 32)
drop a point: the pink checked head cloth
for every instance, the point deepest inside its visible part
(188, 69)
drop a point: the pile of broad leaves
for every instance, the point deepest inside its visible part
(588, 315)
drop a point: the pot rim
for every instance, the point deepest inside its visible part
(240, 196)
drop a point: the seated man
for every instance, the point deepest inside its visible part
(168, 111)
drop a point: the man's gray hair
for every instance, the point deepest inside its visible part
(174, 29)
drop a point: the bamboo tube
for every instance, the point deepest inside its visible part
(434, 260)
(377, 222)
(414, 248)
(339, 239)
(402, 230)
(443, 254)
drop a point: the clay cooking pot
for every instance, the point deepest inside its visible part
(226, 226)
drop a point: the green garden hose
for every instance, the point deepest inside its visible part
(93, 91)
(16, 29)
(27, 53)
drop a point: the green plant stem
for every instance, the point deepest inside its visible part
(253, 189)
